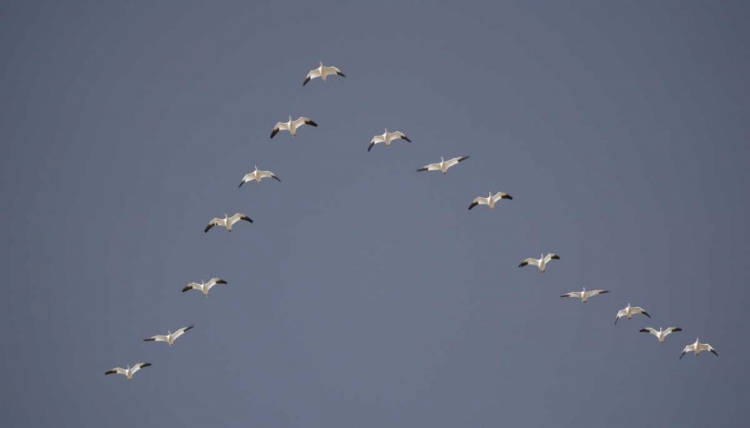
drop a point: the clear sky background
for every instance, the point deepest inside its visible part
(366, 294)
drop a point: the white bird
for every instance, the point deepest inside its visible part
(322, 71)
(443, 165)
(258, 175)
(203, 286)
(169, 337)
(584, 295)
(227, 222)
(629, 311)
(541, 263)
(129, 371)
(386, 137)
(698, 347)
(292, 125)
(660, 334)
(489, 200)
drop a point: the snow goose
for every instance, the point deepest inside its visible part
(203, 286)
(443, 165)
(227, 221)
(660, 334)
(584, 295)
(386, 137)
(127, 372)
(169, 337)
(629, 311)
(292, 125)
(541, 263)
(489, 200)
(322, 71)
(258, 175)
(698, 347)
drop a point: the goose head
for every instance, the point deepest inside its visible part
(290, 119)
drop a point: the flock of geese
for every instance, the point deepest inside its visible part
(387, 138)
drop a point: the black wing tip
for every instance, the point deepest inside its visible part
(110, 372)
(463, 158)
(681, 355)
(422, 169)
(221, 281)
(206, 229)
(274, 132)
(186, 289)
(646, 313)
(370, 146)
(604, 292)
(507, 197)
(189, 328)
(677, 329)
(307, 79)
(564, 295)
(406, 138)
(644, 330)
(150, 339)
(473, 204)
(341, 74)
(523, 264)
(145, 365)
(311, 123)
(246, 218)
(241, 183)
(556, 257)
(276, 178)
(714, 352)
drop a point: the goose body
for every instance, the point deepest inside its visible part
(227, 222)
(386, 137)
(541, 262)
(629, 311)
(258, 175)
(697, 348)
(489, 200)
(662, 333)
(584, 295)
(202, 286)
(322, 71)
(292, 125)
(443, 165)
(169, 337)
(128, 372)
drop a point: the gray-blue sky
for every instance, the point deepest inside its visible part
(366, 294)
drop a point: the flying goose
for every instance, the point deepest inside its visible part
(292, 125)
(698, 347)
(489, 200)
(129, 371)
(629, 311)
(660, 334)
(386, 137)
(170, 337)
(257, 175)
(227, 222)
(541, 263)
(322, 71)
(203, 286)
(443, 165)
(584, 295)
